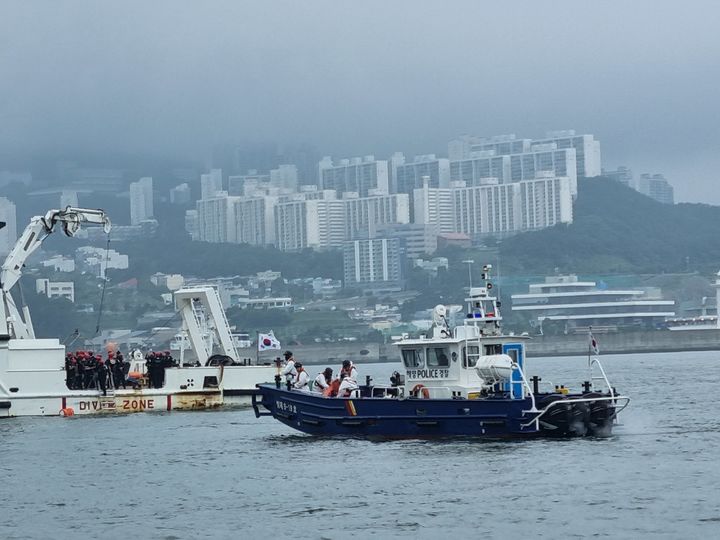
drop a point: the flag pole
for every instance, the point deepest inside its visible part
(590, 344)
(257, 350)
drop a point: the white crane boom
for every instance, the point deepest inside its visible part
(39, 228)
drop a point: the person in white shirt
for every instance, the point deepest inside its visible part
(289, 370)
(322, 381)
(348, 376)
(302, 380)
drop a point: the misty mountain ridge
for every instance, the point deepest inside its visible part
(615, 229)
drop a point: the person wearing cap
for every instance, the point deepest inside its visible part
(302, 379)
(289, 370)
(322, 381)
(348, 376)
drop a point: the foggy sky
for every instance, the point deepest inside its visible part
(365, 77)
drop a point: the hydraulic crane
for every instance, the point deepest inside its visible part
(13, 325)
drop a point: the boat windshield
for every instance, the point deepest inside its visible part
(413, 358)
(438, 357)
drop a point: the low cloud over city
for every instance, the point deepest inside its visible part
(177, 78)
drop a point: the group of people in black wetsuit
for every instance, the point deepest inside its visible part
(155, 364)
(86, 370)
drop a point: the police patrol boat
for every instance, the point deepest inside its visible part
(467, 381)
(33, 379)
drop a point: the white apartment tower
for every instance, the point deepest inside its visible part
(141, 200)
(359, 175)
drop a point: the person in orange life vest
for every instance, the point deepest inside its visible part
(322, 381)
(289, 370)
(302, 379)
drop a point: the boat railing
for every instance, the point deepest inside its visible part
(625, 400)
(525, 384)
(595, 362)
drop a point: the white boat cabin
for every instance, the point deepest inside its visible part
(471, 361)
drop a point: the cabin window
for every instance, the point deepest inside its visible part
(495, 348)
(513, 353)
(438, 357)
(412, 358)
(470, 356)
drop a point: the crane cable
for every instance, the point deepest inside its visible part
(104, 286)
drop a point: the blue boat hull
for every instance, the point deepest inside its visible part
(369, 417)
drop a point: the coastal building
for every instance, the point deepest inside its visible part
(373, 264)
(359, 175)
(8, 231)
(480, 168)
(141, 200)
(55, 289)
(656, 187)
(236, 184)
(566, 303)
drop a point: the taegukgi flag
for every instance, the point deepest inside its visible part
(267, 342)
(594, 344)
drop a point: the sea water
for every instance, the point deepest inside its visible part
(226, 474)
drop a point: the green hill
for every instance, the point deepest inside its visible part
(617, 229)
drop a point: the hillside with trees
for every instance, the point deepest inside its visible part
(617, 229)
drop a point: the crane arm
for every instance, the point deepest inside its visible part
(39, 228)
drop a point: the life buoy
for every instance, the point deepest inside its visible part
(67, 411)
(417, 389)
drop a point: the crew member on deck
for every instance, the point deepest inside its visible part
(348, 376)
(289, 370)
(302, 379)
(322, 381)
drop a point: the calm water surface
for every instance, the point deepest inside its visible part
(229, 475)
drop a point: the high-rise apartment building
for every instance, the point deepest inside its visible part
(255, 220)
(480, 168)
(487, 209)
(141, 200)
(656, 187)
(318, 224)
(434, 206)
(216, 218)
(359, 175)
(285, 176)
(587, 149)
(545, 202)
(210, 183)
(364, 214)
(410, 175)
(8, 233)
(373, 263)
